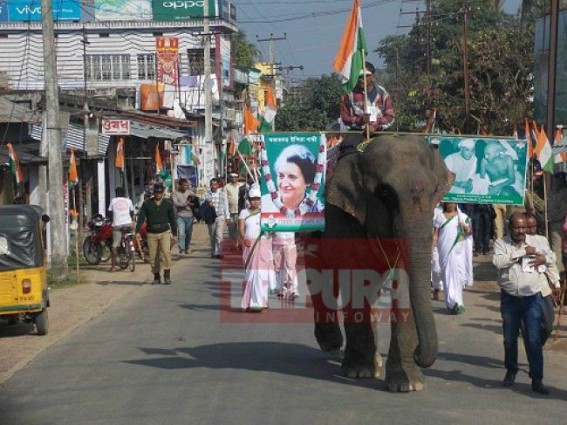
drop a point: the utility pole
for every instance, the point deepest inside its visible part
(58, 232)
(428, 23)
(466, 59)
(208, 89)
(83, 161)
(271, 40)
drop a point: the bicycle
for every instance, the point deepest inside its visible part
(125, 254)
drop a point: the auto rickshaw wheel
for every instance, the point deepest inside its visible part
(92, 251)
(42, 322)
(13, 319)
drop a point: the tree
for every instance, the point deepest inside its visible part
(500, 61)
(244, 53)
(316, 105)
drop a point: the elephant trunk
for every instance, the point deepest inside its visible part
(419, 244)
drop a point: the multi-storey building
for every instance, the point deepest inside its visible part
(109, 61)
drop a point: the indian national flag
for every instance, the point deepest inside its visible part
(543, 151)
(194, 158)
(14, 164)
(528, 136)
(349, 60)
(73, 174)
(270, 110)
(251, 123)
(159, 163)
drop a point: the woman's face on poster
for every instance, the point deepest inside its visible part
(291, 184)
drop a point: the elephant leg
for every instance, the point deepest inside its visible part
(402, 374)
(360, 349)
(329, 336)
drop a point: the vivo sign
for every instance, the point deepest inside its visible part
(30, 10)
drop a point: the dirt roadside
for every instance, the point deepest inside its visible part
(71, 307)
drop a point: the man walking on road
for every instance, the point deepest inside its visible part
(161, 227)
(231, 191)
(217, 200)
(182, 201)
(518, 258)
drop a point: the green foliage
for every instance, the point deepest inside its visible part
(315, 108)
(500, 62)
(244, 53)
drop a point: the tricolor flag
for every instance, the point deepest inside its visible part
(543, 151)
(349, 60)
(159, 163)
(251, 123)
(73, 174)
(267, 119)
(14, 164)
(120, 155)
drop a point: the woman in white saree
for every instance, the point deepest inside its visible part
(257, 256)
(451, 229)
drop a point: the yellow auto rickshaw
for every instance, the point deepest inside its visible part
(23, 277)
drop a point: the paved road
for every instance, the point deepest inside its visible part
(162, 355)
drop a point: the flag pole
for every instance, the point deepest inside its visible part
(367, 126)
(544, 176)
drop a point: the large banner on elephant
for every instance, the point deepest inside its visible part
(487, 170)
(293, 165)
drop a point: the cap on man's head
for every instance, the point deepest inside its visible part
(364, 72)
(158, 187)
(233, 174)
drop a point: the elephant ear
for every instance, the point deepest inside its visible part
(445, 178)
(344, 190)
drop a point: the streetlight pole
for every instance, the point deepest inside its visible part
(207, 82)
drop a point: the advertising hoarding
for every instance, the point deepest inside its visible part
(30, 10)
(123, 10)
(179, 10)
(3, 11)
(167, 51)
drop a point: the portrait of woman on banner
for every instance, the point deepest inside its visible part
(296, 191)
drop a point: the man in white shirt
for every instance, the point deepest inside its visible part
(216, 199)
(231, 191)
(518, 258)
(121, 211)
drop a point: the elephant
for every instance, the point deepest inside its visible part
(386, 192)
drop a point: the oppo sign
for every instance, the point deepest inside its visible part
(187, 4)
(174, 10)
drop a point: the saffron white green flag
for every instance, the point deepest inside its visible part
(269, 115)
(349, 60)
(543, 151)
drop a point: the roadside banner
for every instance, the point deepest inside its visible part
(487, 170)
(293, 165)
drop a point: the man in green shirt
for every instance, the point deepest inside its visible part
(161, 228)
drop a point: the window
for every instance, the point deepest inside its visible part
(108, 67)
(147, 67)
(196, 61)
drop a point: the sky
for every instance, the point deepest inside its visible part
(313, 28)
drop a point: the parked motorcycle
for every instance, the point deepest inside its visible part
(97, 246)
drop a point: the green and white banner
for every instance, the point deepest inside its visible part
(293, 165)
(487, 170)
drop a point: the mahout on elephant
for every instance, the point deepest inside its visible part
(379, 210)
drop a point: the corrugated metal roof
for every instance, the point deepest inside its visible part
(74, 138)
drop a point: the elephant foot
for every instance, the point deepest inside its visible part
(378, 362)
(361, 371)
(329, 337)
(404, 377)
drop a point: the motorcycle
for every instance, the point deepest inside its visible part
(97, 246)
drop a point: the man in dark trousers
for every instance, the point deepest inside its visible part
(162, 227)
(518, 258)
